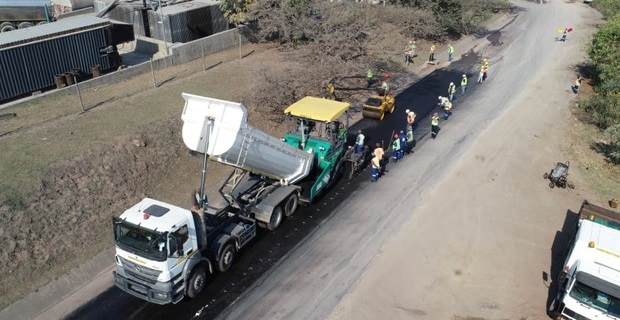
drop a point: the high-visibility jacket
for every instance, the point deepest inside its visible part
(360, 140)
(451, 88)
(379, 152)
(435, 120)
(578, 82)
(450, 49)
(464, 81)
(369, 74)
(432, 49)
(448, 106)
(409, 135)
(444, 100)
(396, 144)
(376, 164)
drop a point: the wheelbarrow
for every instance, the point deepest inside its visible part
(557, 176)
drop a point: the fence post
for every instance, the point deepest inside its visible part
(239, 33)
(153, 74)
(77, 86)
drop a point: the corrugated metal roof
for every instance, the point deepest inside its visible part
(49, 30)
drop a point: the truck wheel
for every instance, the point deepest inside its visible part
(24, 25)
(545, 175)
(7, 26)
(291, 204)
(197, 282)
(551, 184)
(226, 258)
(276, 219)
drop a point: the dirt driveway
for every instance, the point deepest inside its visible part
(466, 228)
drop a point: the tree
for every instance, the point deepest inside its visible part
(235, 11)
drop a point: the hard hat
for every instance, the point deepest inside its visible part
(377, 144)
(410, 41)
(464, 76)
(451, 83)
(401, 132)
(359, 131)
(435, 114)
(440, 97)
(396, 135)
(407, 111)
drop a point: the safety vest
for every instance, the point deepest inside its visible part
(444, 100)
(330, 88)
(369, 74)
(412, 47)
(450, 49)
(432, 48)
(578, 82)
(376, 164)
(409, 135)
(378, 152)
(396, 144)
(451, 88)
(464, 81)
(447, 106)
(435, 121)
(360, 140)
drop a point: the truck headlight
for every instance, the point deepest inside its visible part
(161, 296)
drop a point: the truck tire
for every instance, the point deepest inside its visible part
(227, 257)
(291, 204)
(197, 282)
(276, 218)
(7, 26)
(24, 25)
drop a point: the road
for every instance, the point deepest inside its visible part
(466, 227)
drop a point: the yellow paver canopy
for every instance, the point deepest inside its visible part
(317, 109)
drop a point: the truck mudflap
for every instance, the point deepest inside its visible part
(159, 293)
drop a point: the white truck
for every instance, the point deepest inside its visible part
(163, 252)
(589, 284)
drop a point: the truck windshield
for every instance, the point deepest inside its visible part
(596, 299)
(140, 241)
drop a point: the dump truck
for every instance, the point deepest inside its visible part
(589, 283)
(376, 106)
(164, 252)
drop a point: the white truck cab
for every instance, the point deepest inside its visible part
(590, 280)
(153, 240)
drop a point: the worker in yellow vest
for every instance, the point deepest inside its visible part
(375, 164)
(451, 91)
(434, 125)
(464, 84)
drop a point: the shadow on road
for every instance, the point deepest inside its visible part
(559, 250)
